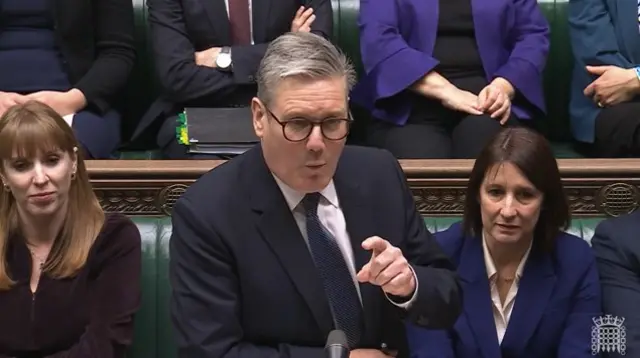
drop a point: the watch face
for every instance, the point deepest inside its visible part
(223, 60)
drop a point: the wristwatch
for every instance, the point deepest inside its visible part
(223, 60)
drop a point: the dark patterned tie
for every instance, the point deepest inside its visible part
(240, 22)
(332, 267)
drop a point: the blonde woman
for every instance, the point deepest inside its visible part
(69, 274)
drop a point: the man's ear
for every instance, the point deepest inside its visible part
(259, 117)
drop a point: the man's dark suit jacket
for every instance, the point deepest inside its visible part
(244, 283)
(616, 243)
(179, 28)
(96, 39)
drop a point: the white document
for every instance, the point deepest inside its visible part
(69, 118)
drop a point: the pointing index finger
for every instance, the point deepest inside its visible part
(376, 244)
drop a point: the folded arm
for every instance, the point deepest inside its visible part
(204, 281)
(175, 60)
(114, 299)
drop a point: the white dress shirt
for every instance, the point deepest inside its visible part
(502, 313)
(332, 218)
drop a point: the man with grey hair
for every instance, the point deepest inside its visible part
(301, 235)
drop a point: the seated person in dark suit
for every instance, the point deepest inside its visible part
(605, 106)
(442, 77)
(530, 290)
(69, 274)
(73, 55)
(207, 53)
(294, 238)
(617, 248)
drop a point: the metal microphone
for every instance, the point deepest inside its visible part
(337, 346)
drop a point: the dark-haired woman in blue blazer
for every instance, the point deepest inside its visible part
(530, 290)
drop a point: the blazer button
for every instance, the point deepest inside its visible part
(252, 79)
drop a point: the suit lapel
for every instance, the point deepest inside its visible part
(219, 18)
(477, 305)
(279, 229)
(357, 213)
(261, 14)
(534, 292)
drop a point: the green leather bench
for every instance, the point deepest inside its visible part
(153, 333)
(144, 86)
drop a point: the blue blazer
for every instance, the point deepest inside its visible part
(558, 296)
(602, 32)
(397, 38)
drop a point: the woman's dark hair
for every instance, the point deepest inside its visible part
(531, 153)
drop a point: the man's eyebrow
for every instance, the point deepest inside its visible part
(330, 115)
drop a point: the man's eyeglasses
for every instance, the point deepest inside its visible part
(299, 129)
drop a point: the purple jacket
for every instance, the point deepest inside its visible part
(397, 39)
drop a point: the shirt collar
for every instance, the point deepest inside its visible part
(491, 268)
(294, 197)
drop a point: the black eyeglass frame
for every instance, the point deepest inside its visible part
(283, 124)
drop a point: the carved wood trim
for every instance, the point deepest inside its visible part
(594, 187)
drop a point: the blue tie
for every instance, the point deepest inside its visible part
(336, 278)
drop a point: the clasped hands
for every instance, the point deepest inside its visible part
(63, 103)
(301, 23)
(494, 99)
(614, 85)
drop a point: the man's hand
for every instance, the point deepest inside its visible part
(64, 103)
(207, 57)
(303, 20)
(368, 353)
(10, 99)
(387, 268)
(614, 85)
(494, 101)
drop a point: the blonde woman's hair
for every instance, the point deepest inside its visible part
(27, 131)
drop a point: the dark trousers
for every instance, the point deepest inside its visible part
(618, 131)
(444, 137)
